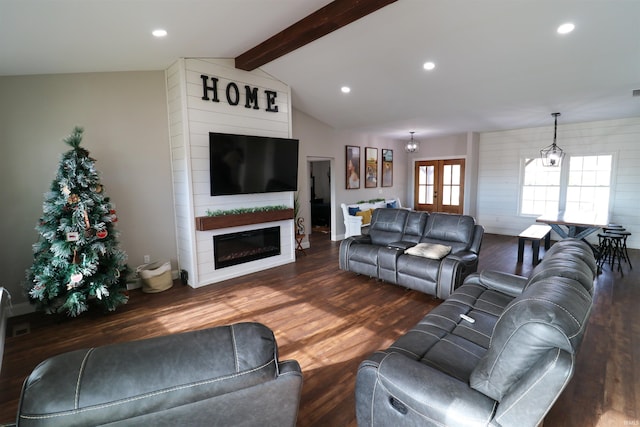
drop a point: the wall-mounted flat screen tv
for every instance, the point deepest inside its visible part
(243, 164)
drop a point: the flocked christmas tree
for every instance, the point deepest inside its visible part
(77, 260)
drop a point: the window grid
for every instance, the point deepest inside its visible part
(589, 182)
(541, 189)
(587, 185)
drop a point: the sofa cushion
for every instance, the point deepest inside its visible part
(448, 342)
(549, 314)
(429, 250)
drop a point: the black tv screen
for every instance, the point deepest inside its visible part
(243, 164)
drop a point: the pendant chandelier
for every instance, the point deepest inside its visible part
(552, 155)
(412, 145)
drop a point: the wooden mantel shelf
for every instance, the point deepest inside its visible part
(204, 223)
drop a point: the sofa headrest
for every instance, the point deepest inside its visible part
(550, 314)
(564, 266)
(416, 221)
(387, 225)
(568, 258)
(456, 230)
(574, 248)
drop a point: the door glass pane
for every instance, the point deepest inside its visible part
(446, 178)
(455, 195)
(422, 175)
(455, 175)
(446, 195)
(425, 184)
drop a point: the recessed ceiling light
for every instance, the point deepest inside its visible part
(429, 65)
(345, 89)
(566, 28)
(159, 33)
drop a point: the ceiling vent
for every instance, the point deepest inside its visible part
(636, 92)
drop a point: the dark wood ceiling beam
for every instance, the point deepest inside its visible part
(331, 17)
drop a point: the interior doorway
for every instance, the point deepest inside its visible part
(321, 194)
(439, 186)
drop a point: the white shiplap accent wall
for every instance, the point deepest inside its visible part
(191, 119)
(499, 171)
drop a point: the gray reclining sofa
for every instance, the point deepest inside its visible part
(381, 253)
(498, 352)
(222, 376)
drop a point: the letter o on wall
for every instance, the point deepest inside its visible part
(233, 94)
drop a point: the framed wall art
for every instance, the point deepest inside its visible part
(353, 167)
(371, 167)
(387, 168)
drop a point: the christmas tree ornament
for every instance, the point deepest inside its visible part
(76, 278)
(65, 257)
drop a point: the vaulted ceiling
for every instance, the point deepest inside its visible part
(499, 64)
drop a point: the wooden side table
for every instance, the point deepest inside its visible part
(299, 248)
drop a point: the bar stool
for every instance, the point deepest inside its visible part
(619, 230)
(610, 248)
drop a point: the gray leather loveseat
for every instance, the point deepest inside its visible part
(382, 252)
(498, 352)
(222, 376)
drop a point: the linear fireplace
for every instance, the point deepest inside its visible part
(237, 248)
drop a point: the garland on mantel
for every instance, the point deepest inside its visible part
(239, 211)
(371, 201)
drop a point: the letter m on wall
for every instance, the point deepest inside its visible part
(251, 97)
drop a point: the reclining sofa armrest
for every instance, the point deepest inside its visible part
(345, 248)
(449, 276)
(453, 269)
(392, 389)
(506, 283)
(529, 400)
(478, 234)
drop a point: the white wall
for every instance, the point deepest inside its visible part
(499, 170)
(125, 121)
(191, 119)
(321, 141)
(459, 146)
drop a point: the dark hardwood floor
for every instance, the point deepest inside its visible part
(329, 320)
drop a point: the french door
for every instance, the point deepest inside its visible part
(439, 186)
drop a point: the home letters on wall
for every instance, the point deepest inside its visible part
(232, 94)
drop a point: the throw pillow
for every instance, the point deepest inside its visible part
(393, 204)
(429, 250)
(353, 211)
(366, 216)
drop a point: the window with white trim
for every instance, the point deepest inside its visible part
(589, 182)
(585, 185)
(541, 188)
